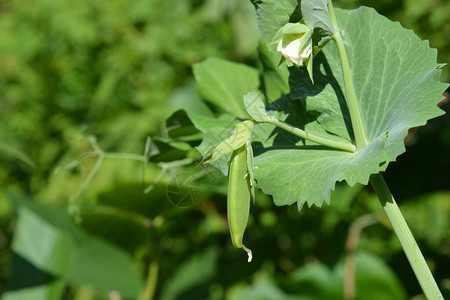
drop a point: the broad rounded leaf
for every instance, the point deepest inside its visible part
(397, 87)
(224, 83)
(293, 170)
(395, 74)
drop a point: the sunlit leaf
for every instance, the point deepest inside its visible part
(224, 83)
(43, 255)
(397, 85)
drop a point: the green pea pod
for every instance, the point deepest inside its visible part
(239, 196)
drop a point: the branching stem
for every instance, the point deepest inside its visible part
(313, 138)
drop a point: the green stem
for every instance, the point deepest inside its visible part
(148, 293)
(117, 212)
(124, 156)
(313, 138)
(355, 115)
(391, 209)
(406, 238)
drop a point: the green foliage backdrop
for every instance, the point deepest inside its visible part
(77, 75)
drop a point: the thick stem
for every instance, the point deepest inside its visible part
(406, 238)
(350, 95)
(313, 138)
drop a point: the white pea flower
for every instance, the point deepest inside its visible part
(291, 46)
(294, 41)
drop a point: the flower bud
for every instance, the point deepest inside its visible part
(294, 41)
(292, 48)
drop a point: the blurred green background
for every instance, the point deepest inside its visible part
(83, 84)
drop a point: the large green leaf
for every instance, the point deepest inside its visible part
(397, 86)
(395, 74)
(223, 83)
(186, 97)
(306, 174)
(53, 252)
(105, 268)
(42, 256)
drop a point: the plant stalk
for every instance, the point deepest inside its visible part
(409, 245)
(391, 209)
(148, 292)
(314, 138)
(350, 95)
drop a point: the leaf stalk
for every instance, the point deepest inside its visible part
(355, 115)
(149, 290)
(313, 138)
(409, 245)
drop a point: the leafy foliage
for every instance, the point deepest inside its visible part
(116, 69)
(427, 18)
(223, 83)
(390, 102)
(49, 246)
(91, 68)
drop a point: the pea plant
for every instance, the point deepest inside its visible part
(333, 99)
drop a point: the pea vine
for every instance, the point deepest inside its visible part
(333, 100)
